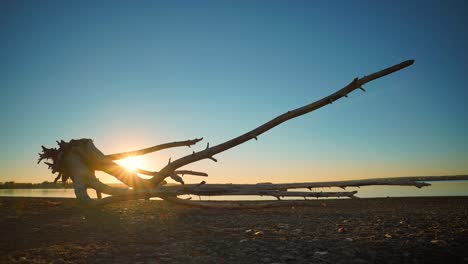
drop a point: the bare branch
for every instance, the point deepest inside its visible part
(182, 172)
(167, 195)
(307, 185)
(264, 189)
(190, 172)
(209, 152)
(144, 151)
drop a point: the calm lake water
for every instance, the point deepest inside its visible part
(448, 188)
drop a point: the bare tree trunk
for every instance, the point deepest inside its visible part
(79, 173)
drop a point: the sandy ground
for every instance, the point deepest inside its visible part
(384, 230)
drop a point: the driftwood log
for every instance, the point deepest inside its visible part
(77, 160)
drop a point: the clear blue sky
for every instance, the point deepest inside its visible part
(133, 74)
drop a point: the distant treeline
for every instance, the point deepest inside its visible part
(42, 185)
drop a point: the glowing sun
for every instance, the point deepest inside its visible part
(132, 163)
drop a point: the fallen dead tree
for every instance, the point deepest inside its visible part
(77, 160)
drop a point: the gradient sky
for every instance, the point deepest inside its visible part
(134, 74)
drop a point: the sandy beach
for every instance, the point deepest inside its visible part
(383, 230)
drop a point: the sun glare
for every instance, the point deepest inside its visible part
(132, 163)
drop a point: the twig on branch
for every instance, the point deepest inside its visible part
(209, 152)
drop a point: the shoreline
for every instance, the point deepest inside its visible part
(368, 230)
